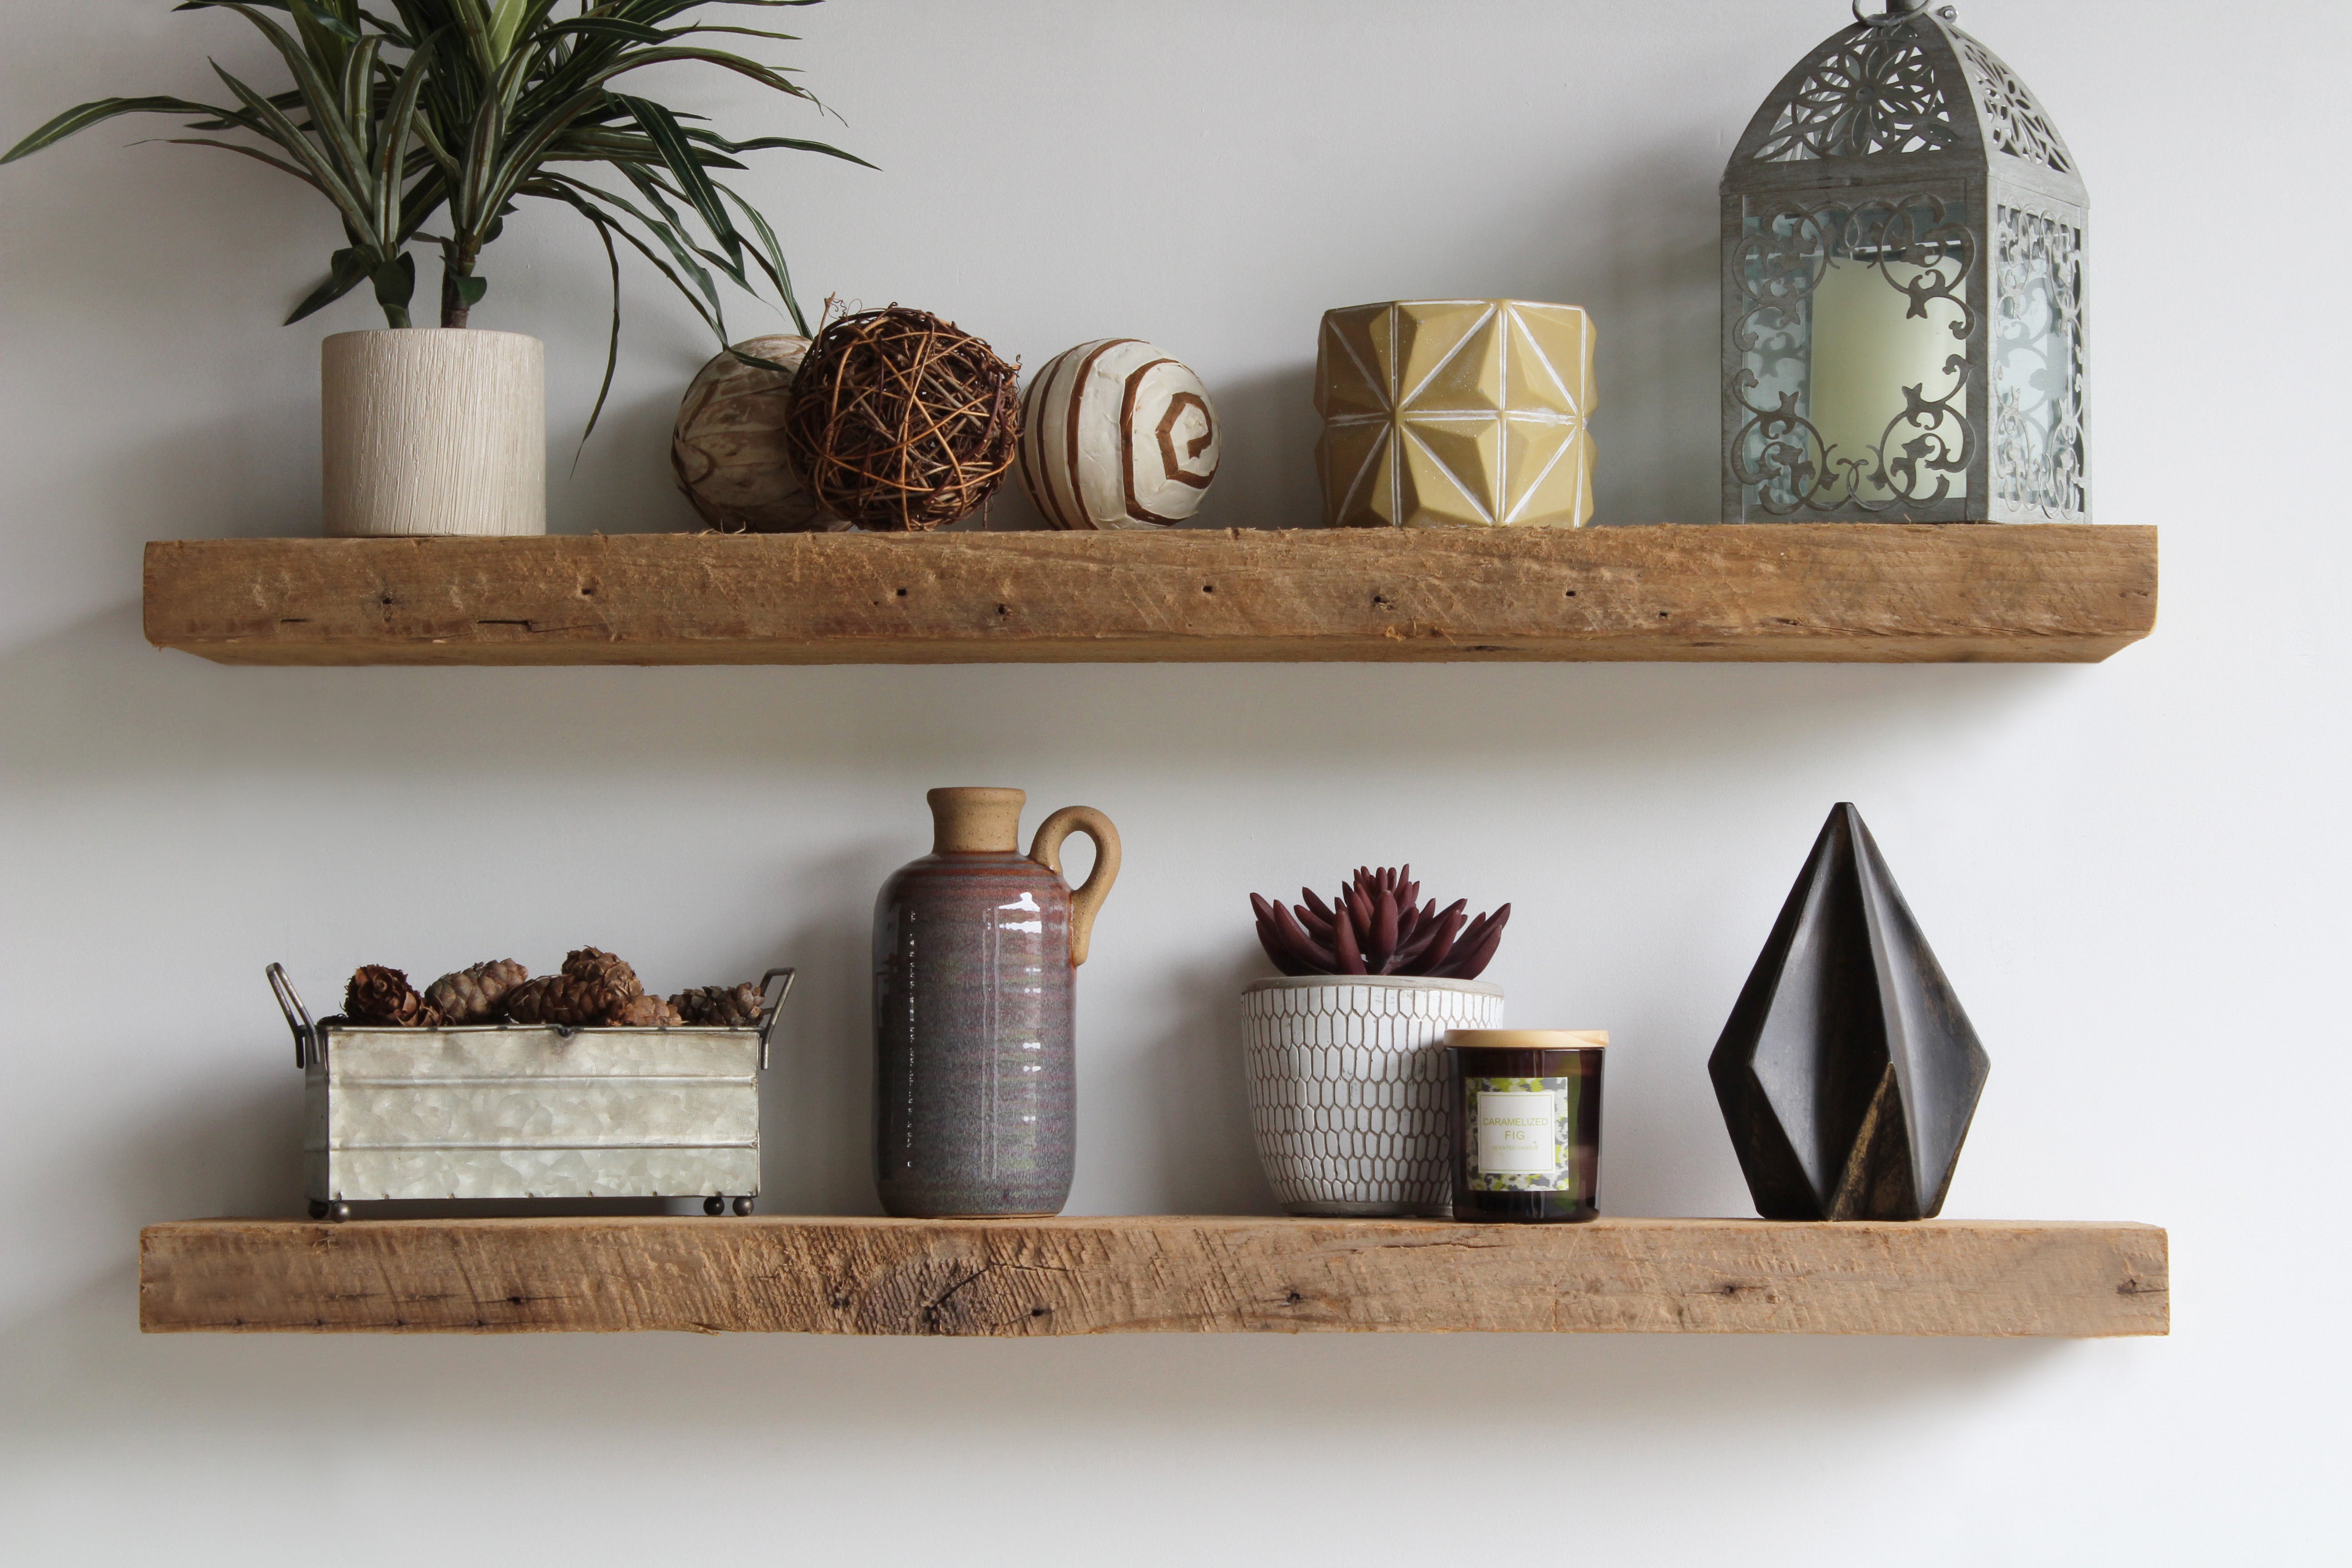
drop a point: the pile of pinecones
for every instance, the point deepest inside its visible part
(594, 991)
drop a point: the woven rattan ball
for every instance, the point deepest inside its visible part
(900, 421)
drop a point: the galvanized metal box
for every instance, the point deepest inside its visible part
(516, 1111)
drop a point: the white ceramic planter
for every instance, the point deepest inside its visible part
(431, 430)
(1346, 1089)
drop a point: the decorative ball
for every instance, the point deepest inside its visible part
(1116, 434)
(729, 448)
(901, 421)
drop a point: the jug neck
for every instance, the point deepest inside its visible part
(976, 821)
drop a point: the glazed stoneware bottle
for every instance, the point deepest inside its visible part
(976, 950)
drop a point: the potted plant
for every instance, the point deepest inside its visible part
(428, 126)
(1346, 1052)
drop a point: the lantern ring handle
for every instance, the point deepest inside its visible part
(1897, 11)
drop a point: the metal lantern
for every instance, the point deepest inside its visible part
(1903, 234)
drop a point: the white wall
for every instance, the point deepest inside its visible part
(2133, 872)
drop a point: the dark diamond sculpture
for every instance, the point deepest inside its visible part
(1848, 1073)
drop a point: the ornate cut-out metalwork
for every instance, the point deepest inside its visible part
(2039, 393)
(1903, 242)
(2014, 120)
(1870, 91)
(1778, 451)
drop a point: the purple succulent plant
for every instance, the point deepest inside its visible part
(1377, 926)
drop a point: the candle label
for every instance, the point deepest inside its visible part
(1521, 1131)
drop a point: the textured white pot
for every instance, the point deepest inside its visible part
(431, 430)
(1346, 1089)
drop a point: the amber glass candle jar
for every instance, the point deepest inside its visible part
(1527, 1124)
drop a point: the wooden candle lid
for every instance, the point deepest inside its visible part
(1527, 1039)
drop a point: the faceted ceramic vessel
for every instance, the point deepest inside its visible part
(976, 947)
(1349, 1090)
(1456, 413)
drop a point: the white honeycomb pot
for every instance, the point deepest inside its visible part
(1346, 1089)
(433, 430)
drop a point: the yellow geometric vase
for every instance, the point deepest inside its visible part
(1454, 414)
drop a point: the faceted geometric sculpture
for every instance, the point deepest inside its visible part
(1848, 1073)
(1449, 413)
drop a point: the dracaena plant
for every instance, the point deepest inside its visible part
(429, 125)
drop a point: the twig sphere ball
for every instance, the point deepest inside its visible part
(728, 449)
(900, 421)
(1117, 434)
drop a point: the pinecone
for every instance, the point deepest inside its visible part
(526, 1003)
(475, 994)
(1374, 927)
(648, 1013)
(383, 998)
(720, 1007)
(596, 964)
(575, 1003)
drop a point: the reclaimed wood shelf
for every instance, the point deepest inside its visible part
(1153, 1275)
(1767, 593)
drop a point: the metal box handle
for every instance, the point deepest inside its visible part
(768, 1018)
(298, 1017)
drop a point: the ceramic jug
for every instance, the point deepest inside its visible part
(976, 950)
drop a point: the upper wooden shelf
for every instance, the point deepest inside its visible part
(1153, 1275)
(1825, 593)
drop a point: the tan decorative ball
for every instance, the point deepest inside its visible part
(1116, 434)
(729, 448)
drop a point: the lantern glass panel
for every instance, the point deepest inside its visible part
(2038, 391)
(1856, 333)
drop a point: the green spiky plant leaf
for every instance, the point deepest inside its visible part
(430, 124)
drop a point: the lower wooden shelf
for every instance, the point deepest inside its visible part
(1153, 1275)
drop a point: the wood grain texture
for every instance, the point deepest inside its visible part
(1884, 593)
(1153, 1275)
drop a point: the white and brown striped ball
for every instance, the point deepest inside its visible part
(1116, 434)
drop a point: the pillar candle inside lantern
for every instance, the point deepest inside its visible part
(1866, 348)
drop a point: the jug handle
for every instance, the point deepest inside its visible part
(1088, 901)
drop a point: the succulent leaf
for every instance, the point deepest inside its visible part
(1383, 934)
